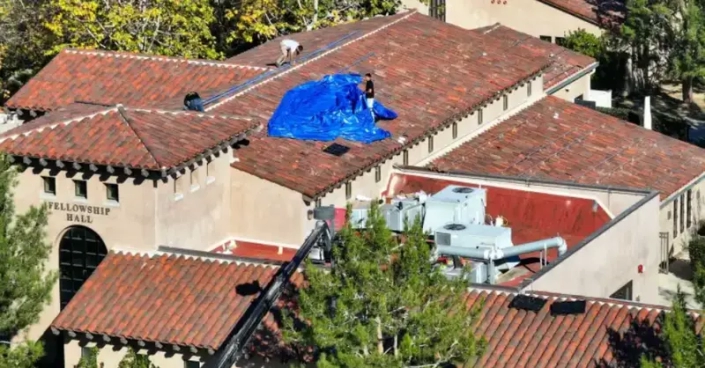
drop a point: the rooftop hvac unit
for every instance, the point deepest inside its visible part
(456, 204)
(401, 211)
(477, 273)
(473, 236)
(358, 215)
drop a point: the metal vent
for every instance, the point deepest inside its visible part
(463, 190)
(454, 227)
(336, 149)
(528, 303)
(442, 239)
(568, 308)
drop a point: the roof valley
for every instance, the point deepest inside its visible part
(128, 123)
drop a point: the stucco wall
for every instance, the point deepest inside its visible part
(578, 87)
(611, 260)
(678, 241)
(545, 20)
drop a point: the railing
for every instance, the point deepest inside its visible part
(664, 252)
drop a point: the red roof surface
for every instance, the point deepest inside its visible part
(565, 63)
(532, 216)
(246, 249)
(135, 138)
(611, 333)
(604, 13)
(119, 77)
(449, 73)
(171, 299)
(559, 140)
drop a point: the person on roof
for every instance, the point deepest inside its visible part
(290, 50)
(370, 94)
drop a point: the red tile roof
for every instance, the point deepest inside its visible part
(610, 333)
(532, 216)
(248, 249)
(603, 13)
(118, 77)
(430, 72)
(170, 299)
(125, 137)
(565, 63)
(559, 140)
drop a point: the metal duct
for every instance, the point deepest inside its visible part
(493, 254)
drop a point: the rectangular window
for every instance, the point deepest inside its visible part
(624, 293)
(111, 192)
(689, 210)
(437, 9)
(545, 38)
(479, 117)
(405, 158)
(80, 189)
(430, 144)
(378, 174)
(560, 41)
(528, 89)
(192, 364)
(49, 185)
(505, 102)
(682, 214)
(455, 130)
(675, 218)
(210, 172)
(85, 352)
(348, 190)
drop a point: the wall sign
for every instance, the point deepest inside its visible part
(80, 213)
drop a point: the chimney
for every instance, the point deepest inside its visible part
(647, 113)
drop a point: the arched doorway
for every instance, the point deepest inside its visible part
(80, 252)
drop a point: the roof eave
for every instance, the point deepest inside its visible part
(564, 83)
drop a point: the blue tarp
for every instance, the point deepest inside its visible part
(326, 109)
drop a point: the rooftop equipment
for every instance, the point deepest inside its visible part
(565, 308)
(193, 102)
(527, 303)
(457, 204)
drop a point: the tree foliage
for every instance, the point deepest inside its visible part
(131, 360)
(163, 27)
(684, 348)
(585, 43)
(27, 284)
(687, 60)
(383, 305)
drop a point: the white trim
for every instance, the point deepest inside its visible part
(247, 240)
(481, 129)
(472, 180)
(136, 56)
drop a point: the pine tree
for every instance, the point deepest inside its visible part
(382, 304)
(26, 283)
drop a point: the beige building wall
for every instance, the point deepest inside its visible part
(544, 20)
(575, 89)
(677, 237)
(611, 260)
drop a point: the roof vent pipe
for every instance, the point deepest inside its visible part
(498, 254)
(647, 113)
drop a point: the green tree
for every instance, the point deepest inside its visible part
(162, 27)
(683, 346)
(687, 58)
(585, 43)
(383, 304)
(27, 284)
(131, 360)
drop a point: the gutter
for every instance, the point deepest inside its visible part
(587, 70)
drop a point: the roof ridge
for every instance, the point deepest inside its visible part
(68, 121)
(123, 114)
(338, 47)
(188, 112)
(223, 259)
(139, 56)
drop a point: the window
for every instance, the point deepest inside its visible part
(111, 192)
(560, 41)
(545, 38)
(675, 218)
(682, 214)
(437, 9)
(624, 293)
(348, 190)
(430, 144)
(191, 364)
(505, 102)
(689, 210)
(479, 117)
(455, 130)
(378, 174)
(405, 158)
(5, 338)
(528, 89)
(210, 172)
(49, 185)
(80, 189)
(86, 352)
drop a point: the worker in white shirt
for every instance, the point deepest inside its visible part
(290, 50)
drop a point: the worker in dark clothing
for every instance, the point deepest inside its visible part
(370, 94)
(290, 50)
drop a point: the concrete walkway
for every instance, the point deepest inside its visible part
(679, 274)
